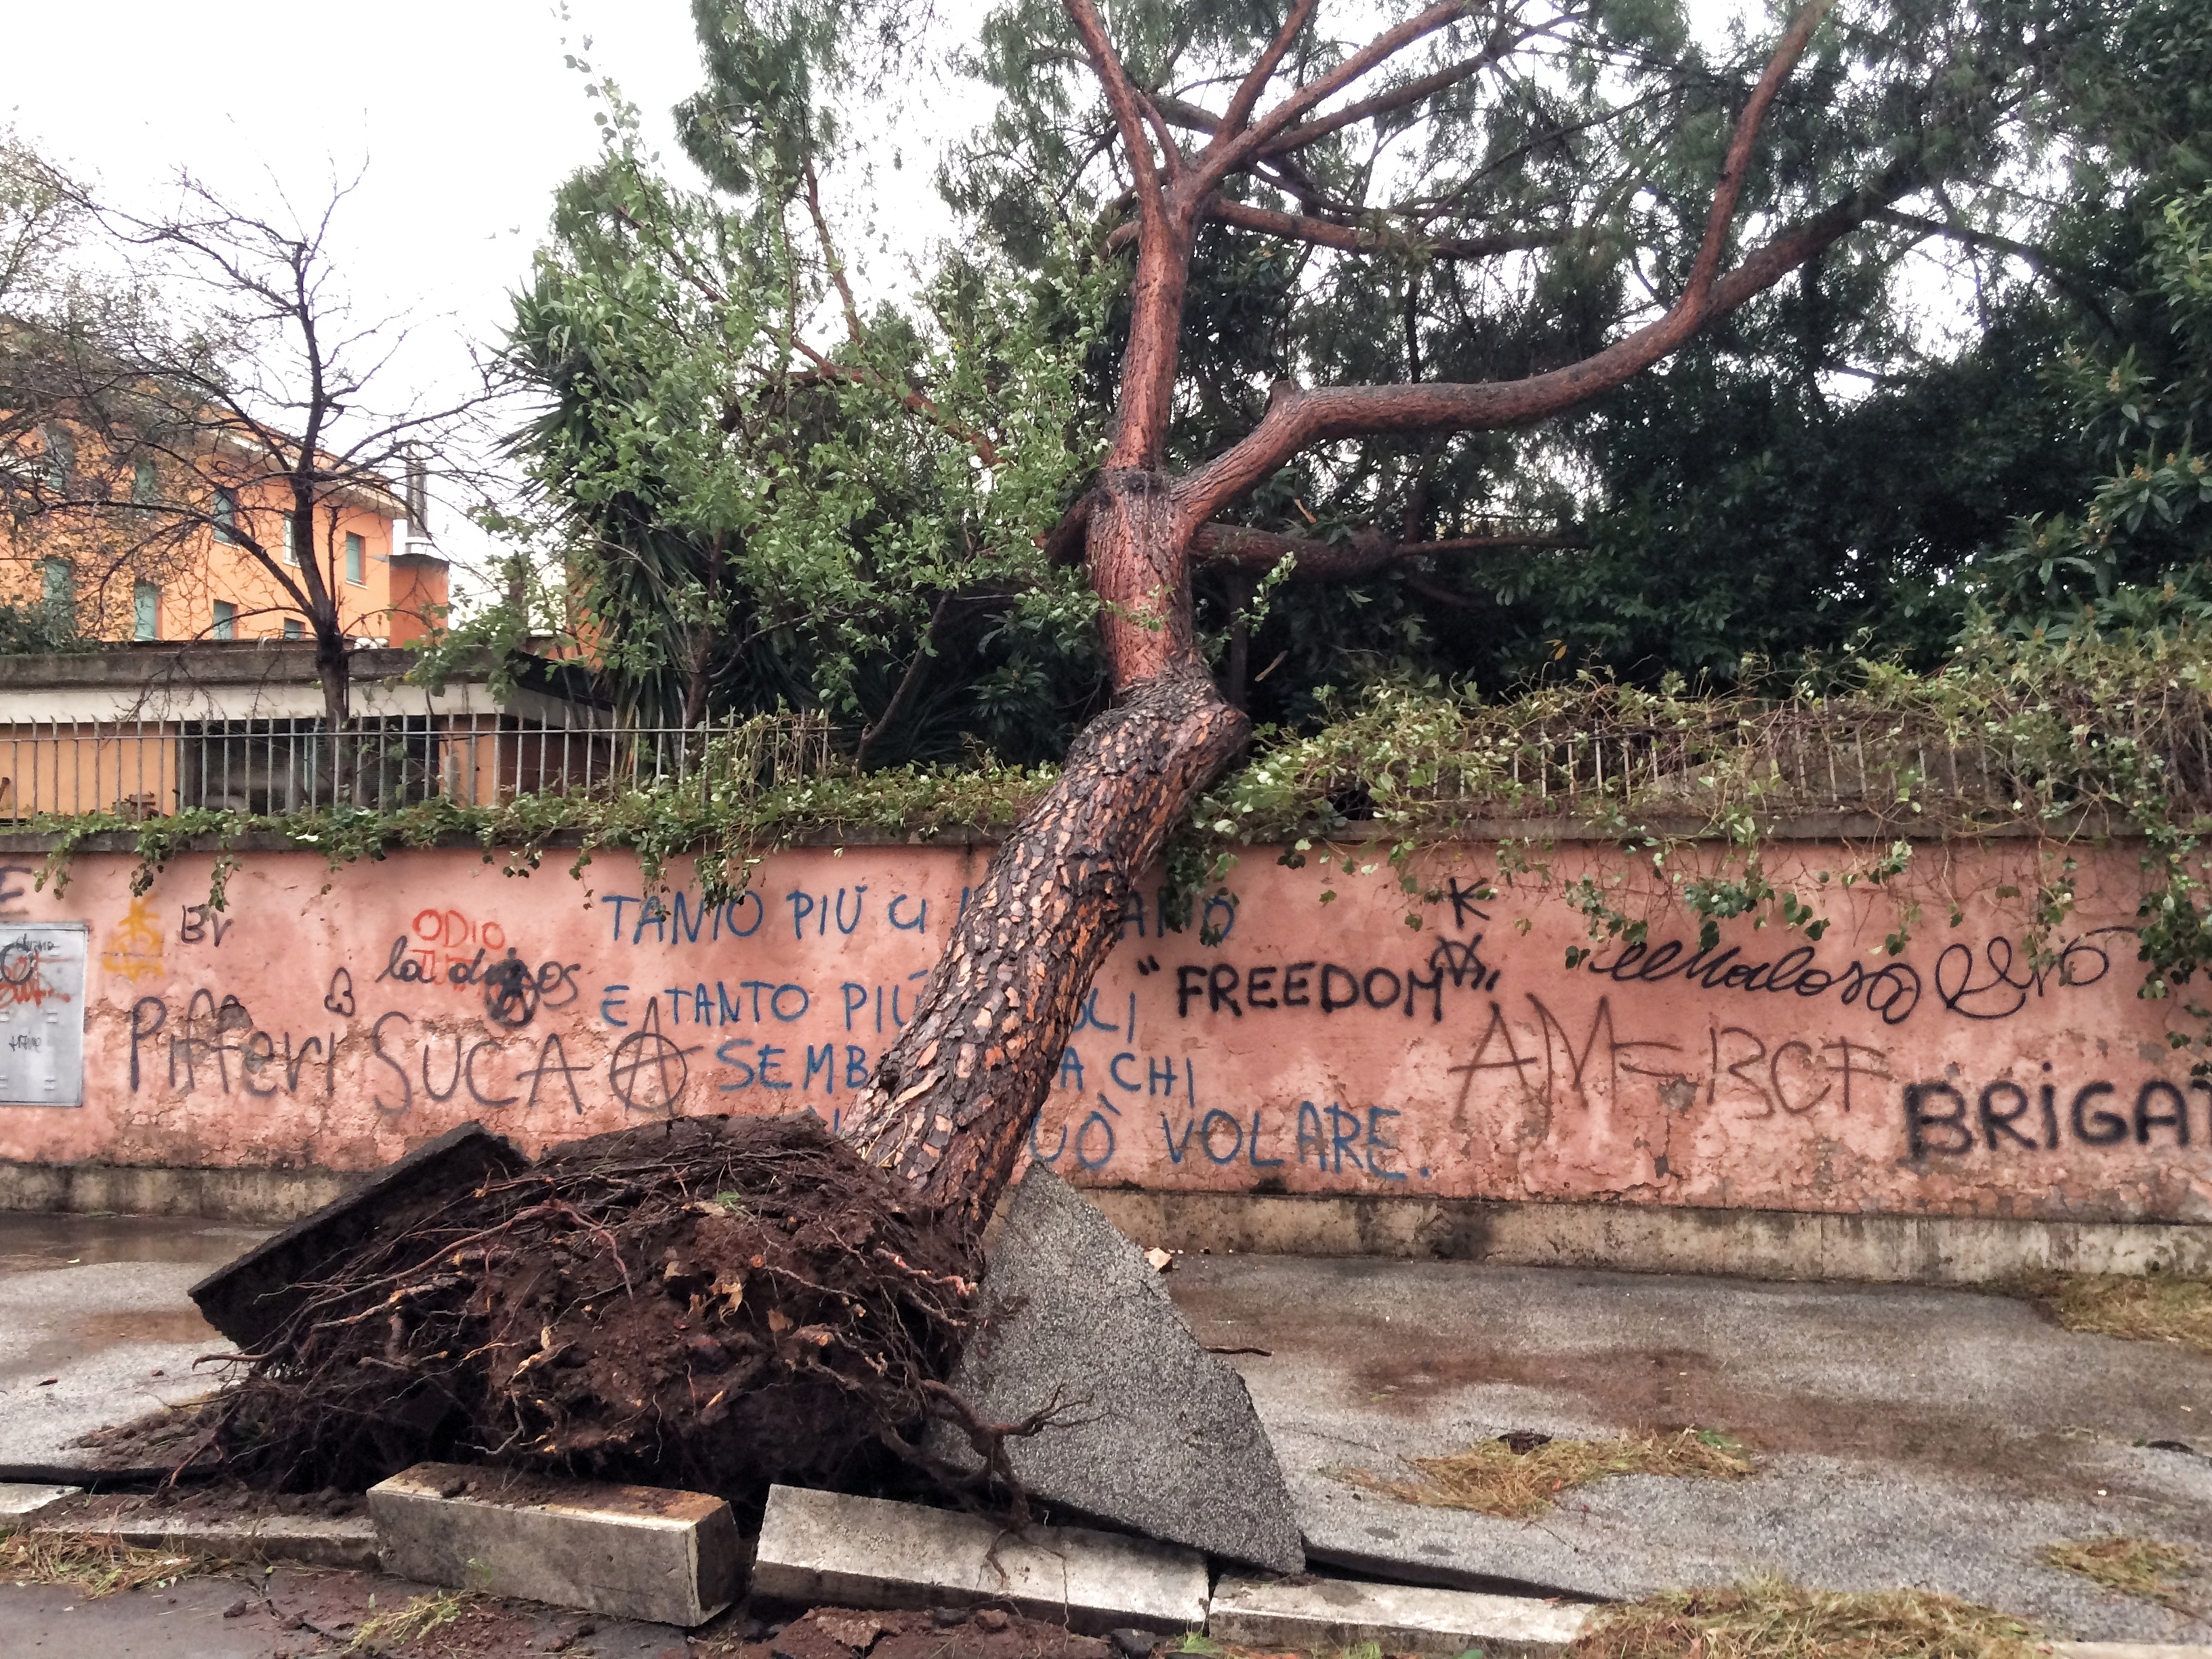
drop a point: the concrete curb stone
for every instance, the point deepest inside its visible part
(20, 1500)
(823, 1547)
(642, 1553)
(1338, 1614)
(309, 1540)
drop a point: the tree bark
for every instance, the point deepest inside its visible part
(953, 1100)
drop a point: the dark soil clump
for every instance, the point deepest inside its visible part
(849, 1634)
(718, 1303)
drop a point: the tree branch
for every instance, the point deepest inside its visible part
(1360, 239)
(1248, 92)
(830, 253)
(1155, 294)
(827, 368)
(909, 683)
(1296, 419)
(1366, 551)
(1122, 99)
(2042, 261)
(1386, 103)
(1220, 160)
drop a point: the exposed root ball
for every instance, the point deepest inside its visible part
(719, 1302)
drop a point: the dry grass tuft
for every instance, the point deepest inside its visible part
(413, 1619)
(95, 1568)
(1770, 1618)
(2133, 1566)
(2156, 1308)
(1518, 1474)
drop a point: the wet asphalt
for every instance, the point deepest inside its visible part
(1906, 1436)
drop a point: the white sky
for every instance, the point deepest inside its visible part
(460, 115)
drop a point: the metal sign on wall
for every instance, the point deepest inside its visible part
(42, 1013)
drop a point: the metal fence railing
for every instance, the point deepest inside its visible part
(148, 768)
(1802, 758)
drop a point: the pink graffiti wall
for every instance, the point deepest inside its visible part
(1317, 1044)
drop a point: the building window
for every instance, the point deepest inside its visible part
(293, 629)
(58, 582)
(225, 514)
(354, 559)
(291, 549)
(61, 458)
(145, 484)
(226, 620)
(145, 611)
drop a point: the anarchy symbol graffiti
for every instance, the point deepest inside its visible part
(648, 1070)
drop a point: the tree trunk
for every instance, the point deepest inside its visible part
(954, 1098)
(334, 670)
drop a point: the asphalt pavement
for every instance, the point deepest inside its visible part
(95, 1327)
(1938, 1439)
(1934, 1438)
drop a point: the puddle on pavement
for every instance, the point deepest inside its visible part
(163, 1325)
(33, 1243)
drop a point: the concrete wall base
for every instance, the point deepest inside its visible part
(1655, 1239)
(272, 1196)
(1627, 1238)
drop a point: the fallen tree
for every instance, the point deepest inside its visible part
(954, 1096)
(771, 1304)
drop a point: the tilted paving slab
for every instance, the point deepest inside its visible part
(824, 1548)
(633, 1551)
(1335, 1613)
(1153, 1433)
(249, 1299)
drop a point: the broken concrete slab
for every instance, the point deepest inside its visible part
(250, 1297)
(825, 1548)
(1163, 1437)
(19, 1499)
(633, 1551)
(1336, 1613)
(309, 1540)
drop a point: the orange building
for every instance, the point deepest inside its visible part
(155, 552)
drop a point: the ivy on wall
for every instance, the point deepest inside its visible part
(2063, 741)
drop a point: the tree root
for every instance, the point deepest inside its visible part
(719, 1303)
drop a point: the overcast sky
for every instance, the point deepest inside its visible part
(459, 117)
